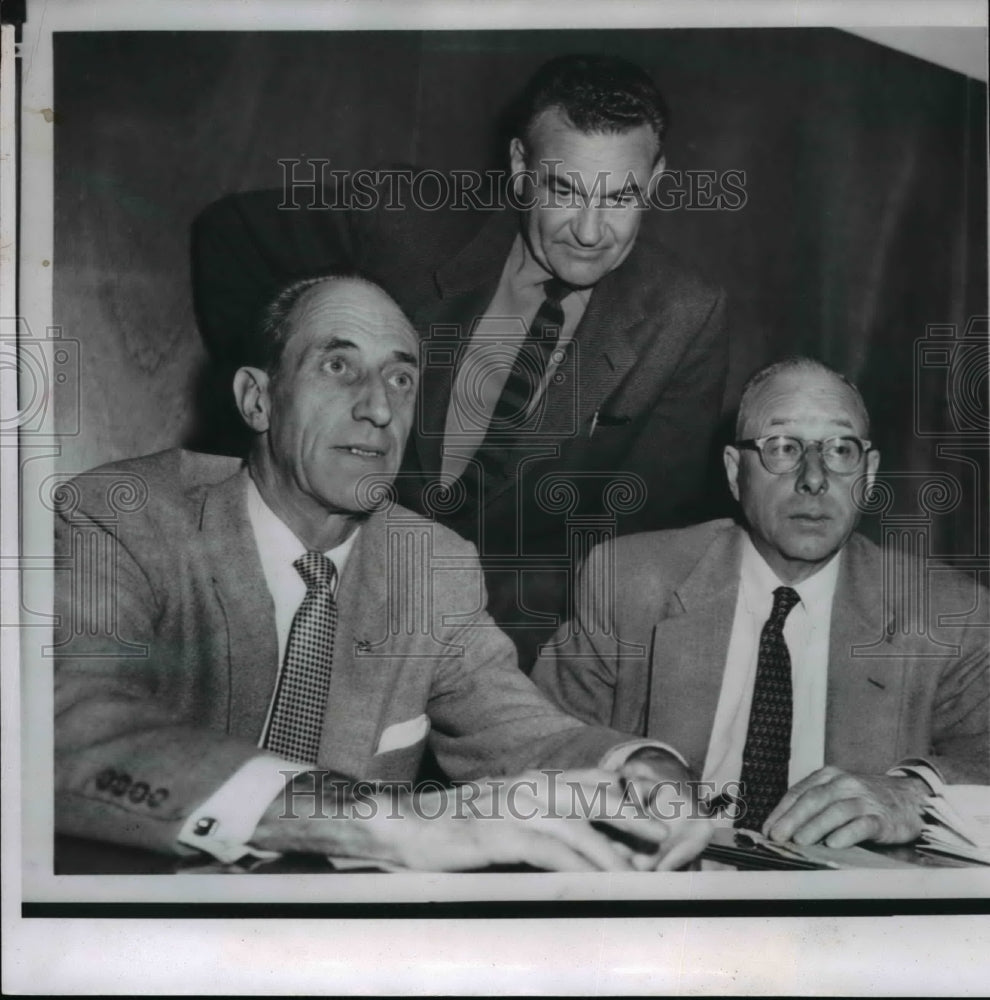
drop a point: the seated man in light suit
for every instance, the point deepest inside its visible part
(177, 728)
(774, 656)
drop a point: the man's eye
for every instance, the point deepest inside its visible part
(623, 200)
(402, 380)
(336, 366)
(782, 448)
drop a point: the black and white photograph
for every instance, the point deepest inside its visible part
(495, 493)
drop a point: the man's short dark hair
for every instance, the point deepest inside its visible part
(274, 327)
(597, 93)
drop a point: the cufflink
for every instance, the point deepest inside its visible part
(205, 826)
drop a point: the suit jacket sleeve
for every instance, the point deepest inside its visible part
(961, 710)
(487, 716)
(128, 768)
(596, 665)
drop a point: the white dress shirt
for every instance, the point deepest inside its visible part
(495, 341)
(806, 633)
(223, 824)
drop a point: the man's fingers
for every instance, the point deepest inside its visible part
(793, 795)
(830, 817)
(687, 842)
(860, 829)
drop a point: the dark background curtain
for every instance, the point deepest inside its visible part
(863, 223)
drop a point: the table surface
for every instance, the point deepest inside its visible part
(76, 856)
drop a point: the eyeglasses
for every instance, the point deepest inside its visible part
(780, 454)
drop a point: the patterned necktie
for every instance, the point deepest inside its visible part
(301, 698)
(525, 381)
(767, 754)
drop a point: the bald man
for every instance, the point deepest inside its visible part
(772, 653)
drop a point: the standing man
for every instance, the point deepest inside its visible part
(781, 657)
(573, 366)
(267, 618)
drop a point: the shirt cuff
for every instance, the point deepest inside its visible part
(918, 767)
(620, 754)
(225, 822)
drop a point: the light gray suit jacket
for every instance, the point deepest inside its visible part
(656, 667)
(167, 653)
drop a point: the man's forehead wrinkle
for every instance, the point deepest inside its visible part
(342, 315)
(806, 417)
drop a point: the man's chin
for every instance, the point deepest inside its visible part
(371, 493)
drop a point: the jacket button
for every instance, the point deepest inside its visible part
(120, 784)
(139, 791)
(105, 777)
(157, 797)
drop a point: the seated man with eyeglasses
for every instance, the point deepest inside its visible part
(814, 680)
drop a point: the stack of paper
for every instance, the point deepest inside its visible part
(749, 849)
(959, 822)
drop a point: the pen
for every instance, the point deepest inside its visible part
(594, 423)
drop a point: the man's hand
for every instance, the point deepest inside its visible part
(541, 818)
(840, 809)
(668, 787)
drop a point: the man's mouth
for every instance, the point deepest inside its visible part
(360, 452)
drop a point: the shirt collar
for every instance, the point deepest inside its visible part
(278, 545)
(758, 581)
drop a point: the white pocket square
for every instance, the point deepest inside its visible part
(404, 734)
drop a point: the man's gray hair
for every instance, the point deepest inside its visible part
(795, 363)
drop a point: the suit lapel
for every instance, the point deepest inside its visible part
(240, 589)
(464, 287)
(689, 649)
(602, 353)
(865, 675)
(361, 684)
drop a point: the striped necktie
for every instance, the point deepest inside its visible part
(525, 381)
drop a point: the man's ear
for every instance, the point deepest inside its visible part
(872, 464)
(251, 393)
(658, 168)
(731, 459)
(517, 156)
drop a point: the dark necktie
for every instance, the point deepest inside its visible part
(767, 754)
(525, 381)
(301, 698)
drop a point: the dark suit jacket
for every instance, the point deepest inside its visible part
(650, 359)
(893, 692)
(161, 694)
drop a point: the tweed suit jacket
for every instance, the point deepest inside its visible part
(897, 688)
(637, 402)
(154, 713)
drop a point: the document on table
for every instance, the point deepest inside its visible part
(748, 849)
(958, 822)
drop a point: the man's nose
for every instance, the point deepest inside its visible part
(587, 225)
(373, 403)
(812, 475)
